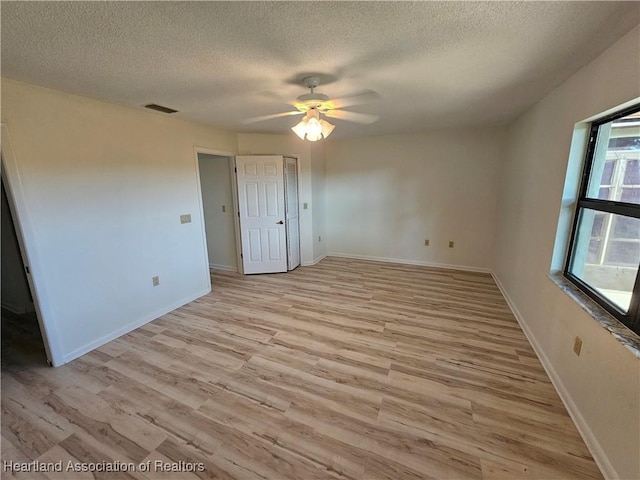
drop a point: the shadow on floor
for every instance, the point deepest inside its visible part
(21, 340)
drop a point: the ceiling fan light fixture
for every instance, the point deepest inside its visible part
(327, 128)
(312, 128)
(301, 128)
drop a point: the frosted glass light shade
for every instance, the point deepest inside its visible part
(312, 128)
(327, 128)
(301, 128)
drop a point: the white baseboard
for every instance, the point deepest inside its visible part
(410, 262)
(227, 268)
(315, 261)
(599, 455)
(131, 326)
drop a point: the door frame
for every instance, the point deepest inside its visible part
(297, 162)
(234, 195)
(298, 177)
(24, 232)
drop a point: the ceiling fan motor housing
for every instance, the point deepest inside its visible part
(311, 100)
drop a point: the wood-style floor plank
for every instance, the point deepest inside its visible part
(348, 370)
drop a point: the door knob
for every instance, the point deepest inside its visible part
(280, 223)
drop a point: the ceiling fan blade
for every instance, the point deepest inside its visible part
(351, 116)
(365, 96)
(269, 117)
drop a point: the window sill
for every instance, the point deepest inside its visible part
(625, 336)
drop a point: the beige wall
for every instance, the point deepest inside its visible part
(319, 199)
(386, 195)
(101, 189)
(602, 386)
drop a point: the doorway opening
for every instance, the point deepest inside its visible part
(22, 340)
(225, 212)
(218, 206)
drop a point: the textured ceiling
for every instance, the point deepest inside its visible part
(433, 64)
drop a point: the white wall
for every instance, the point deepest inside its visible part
(215, 179)
(602, 386)
(262, 144)
(103, 188)
(386, 195)
(319, 199)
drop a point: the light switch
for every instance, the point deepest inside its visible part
(224, 208)
(304, 205)
(577, 346)
(185, 218)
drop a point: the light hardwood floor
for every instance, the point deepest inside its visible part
(348, 369)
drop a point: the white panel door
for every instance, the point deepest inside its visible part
(291, 205)
(262, 213)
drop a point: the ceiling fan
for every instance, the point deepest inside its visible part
(313, 105)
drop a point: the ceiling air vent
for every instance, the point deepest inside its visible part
(160, 108)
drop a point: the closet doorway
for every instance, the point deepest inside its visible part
(250, 211)
(218, 205)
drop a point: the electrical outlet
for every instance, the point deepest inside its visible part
(304, 206)
(451, 244)
(156, 281)
(577, 346)
(185, 218)
(224, 208)
(426, 243)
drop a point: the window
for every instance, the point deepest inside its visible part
(604, 254)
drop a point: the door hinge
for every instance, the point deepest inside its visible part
(27, 269)
(235, 169)
(241, 256)
(238, 214)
